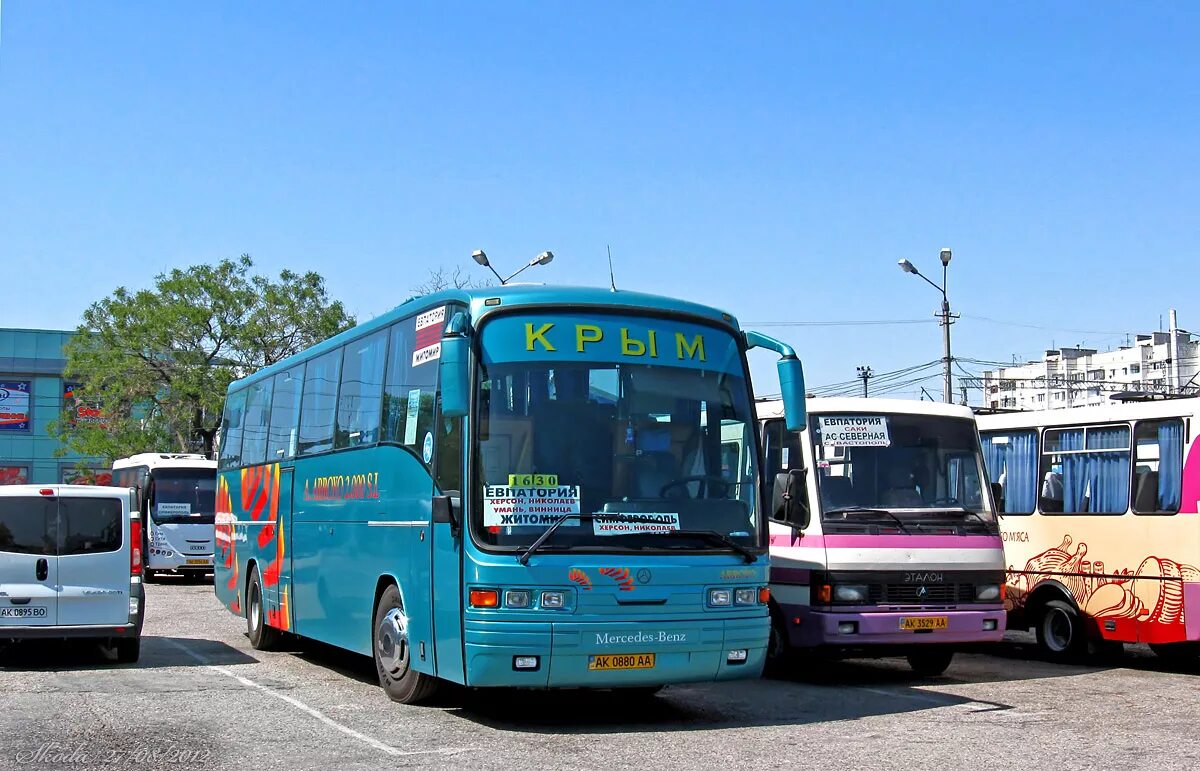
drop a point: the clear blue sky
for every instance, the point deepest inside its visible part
(772, 159)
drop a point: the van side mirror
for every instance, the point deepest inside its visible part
(454, 368)
(789, 498)
(998, 496)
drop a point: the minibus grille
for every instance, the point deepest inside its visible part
(912, 594)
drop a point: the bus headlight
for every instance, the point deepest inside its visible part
(745, 596)
(720, 597)
(554, 600)
(850, 593)
(516, 598)
(987, 592)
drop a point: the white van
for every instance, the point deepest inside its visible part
(70, 565)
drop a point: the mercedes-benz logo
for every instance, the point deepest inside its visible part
(643, 576)
(922, 591)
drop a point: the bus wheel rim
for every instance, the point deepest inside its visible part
(255, 608)
(1058, 630)
(391, 644)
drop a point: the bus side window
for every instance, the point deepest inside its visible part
(1158, 466)
(409, 390)
(781, 453)
(319, 404)
(361, 392)
(231, 430)
(285, 414)
(254, 426)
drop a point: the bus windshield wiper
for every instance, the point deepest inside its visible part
(967, 512)
(867, 510)
(712, 536)
(523, 557)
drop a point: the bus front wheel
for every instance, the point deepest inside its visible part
(930, 662)
(780, 659)
(392, 651)
(262, 637)
(1060, 630)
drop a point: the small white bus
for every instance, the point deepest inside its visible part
(176, 494)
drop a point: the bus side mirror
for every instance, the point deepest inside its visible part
(998, 496)
(455, 371)
(789, 501)
(791, 384)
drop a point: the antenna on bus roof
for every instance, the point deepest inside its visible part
(612, 279)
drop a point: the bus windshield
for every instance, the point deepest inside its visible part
(911, 467)
(184, 495)
(645, 419)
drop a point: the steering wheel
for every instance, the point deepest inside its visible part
(705, 481)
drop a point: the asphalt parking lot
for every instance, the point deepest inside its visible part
(201, 697)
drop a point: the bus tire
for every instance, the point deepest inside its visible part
(262, 637)
(1060, 632)
(128, 649)
(780, 656)
(392, 652)
(930, 662)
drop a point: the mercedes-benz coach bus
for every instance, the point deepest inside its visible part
(1099, 517)
(892, 546)
(176, 494)
(512, 486)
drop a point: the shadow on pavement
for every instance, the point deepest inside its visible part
(83, 654)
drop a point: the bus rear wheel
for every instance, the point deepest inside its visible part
(930, 662)
(392, 651)
(1060, 632)
(262, 637)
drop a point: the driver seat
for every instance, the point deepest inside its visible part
(651, 471)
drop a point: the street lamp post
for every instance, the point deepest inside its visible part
(946, 320)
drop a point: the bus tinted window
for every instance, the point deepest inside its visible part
(89, 525)
(1158, 467)
(1085, 470)
(1012, 462)
(319, 403)
(410, 391)
(254, 427)
(27, 525)
(231, 430)
(361, 392)
(285, 414)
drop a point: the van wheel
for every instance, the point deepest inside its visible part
(393, 654)
(930, 662)
(780, 656)
(262, 637)
(1060, 630)
(128, 649)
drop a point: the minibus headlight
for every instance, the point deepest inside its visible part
(850, 593)
(720, 597)
(987, 592)
(745, 596)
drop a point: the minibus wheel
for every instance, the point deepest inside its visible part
(930, 662)
(1060, 631)
(262, 637)
(393, 653)
(128, 649)
(779, 654)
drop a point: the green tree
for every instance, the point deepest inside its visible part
(156, 362)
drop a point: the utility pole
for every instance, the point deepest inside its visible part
(946, 317)
(865, 374)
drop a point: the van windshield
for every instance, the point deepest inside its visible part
(185, 495)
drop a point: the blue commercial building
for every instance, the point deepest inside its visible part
(33, 393)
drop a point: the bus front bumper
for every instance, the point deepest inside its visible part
(684, 652)
(857, 628)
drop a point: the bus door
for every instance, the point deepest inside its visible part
(277, 576)
(446, 545)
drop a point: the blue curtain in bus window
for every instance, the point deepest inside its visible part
(1108, 472)
(993, 457)
(1074, 471)
(1021, 482)
(1170, 465)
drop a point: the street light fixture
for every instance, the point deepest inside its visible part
(482, 259)
(946, 320)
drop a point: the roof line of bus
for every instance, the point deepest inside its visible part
(523, 294)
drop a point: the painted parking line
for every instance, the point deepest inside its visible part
(313, 712)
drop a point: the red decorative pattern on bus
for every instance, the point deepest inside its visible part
(578, 576)
(1151, 594)
(621, 576)
(226, 542)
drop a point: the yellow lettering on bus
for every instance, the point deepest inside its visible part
(692, 349)
(631, 346)
(538, 336)
(587, 333)
(653, 344)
